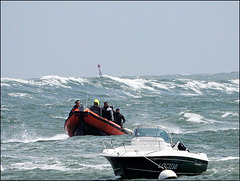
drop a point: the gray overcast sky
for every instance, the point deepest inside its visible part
(126, 38)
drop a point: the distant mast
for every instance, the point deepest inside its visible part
(100, 73)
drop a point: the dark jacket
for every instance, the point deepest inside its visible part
(73, 110)
(96, 109)
(107, 113)
(119, 118)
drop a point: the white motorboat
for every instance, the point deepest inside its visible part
(150, 153)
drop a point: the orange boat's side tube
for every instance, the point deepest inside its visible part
(103, 124)
(94, 120)
(71, 123)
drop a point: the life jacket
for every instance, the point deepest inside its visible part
(119, 118)
(75, 108)
(106, 113)
(96, 109)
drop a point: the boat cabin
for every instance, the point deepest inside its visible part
(151, 136)
(152, 132)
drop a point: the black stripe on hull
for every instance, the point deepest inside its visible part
(140, 167)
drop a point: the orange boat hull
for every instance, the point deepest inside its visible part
(88, 123)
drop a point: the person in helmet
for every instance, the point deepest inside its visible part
(96, 108)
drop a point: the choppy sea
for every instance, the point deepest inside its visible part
(200, 110)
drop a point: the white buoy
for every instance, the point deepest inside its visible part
(2, 168)
(167, 174)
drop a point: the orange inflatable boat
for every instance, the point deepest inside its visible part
(89, 123)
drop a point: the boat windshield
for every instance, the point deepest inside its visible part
(152, 132)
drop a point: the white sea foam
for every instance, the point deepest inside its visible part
(26, 139)
(198, 86)
(40, 165)
(166, 86)
(53, 80)
(235, 81)
(77, 80)
(4, 108)
(57, 166)
(195, 86)
(98, 166)
(4, 84)
(189, 94)
(2, 168)
(131, 95)
(17, 80)
(196, 118)
(220, 129)
(225, 87)
(193, 117)
(174, 130)
(229, 158)
(20, 95)
(183, 131)
(224, 158)
(135, 84)
(56, 137)
(58, 117)
(229, 114)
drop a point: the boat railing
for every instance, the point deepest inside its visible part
(109, 144)
(153, 131)
(123, 143)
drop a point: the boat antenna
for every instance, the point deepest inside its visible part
(87, 94)
(99, 70)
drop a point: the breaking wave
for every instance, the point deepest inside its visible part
(156, 84)
(50, 80)
(196, 118)
(229, 114)
(32, 139)
(224, 158)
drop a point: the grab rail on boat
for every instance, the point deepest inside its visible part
(124, 145)
(104, 145)
(109, 142)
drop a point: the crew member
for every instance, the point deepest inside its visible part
(96, 108)
(75, 108)
(119, 118)
(107, 112)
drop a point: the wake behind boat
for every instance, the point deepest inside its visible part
(86, 122)
(150, 153)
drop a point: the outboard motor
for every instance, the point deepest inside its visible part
(181, 146)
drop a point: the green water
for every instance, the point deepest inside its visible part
(200, 110)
